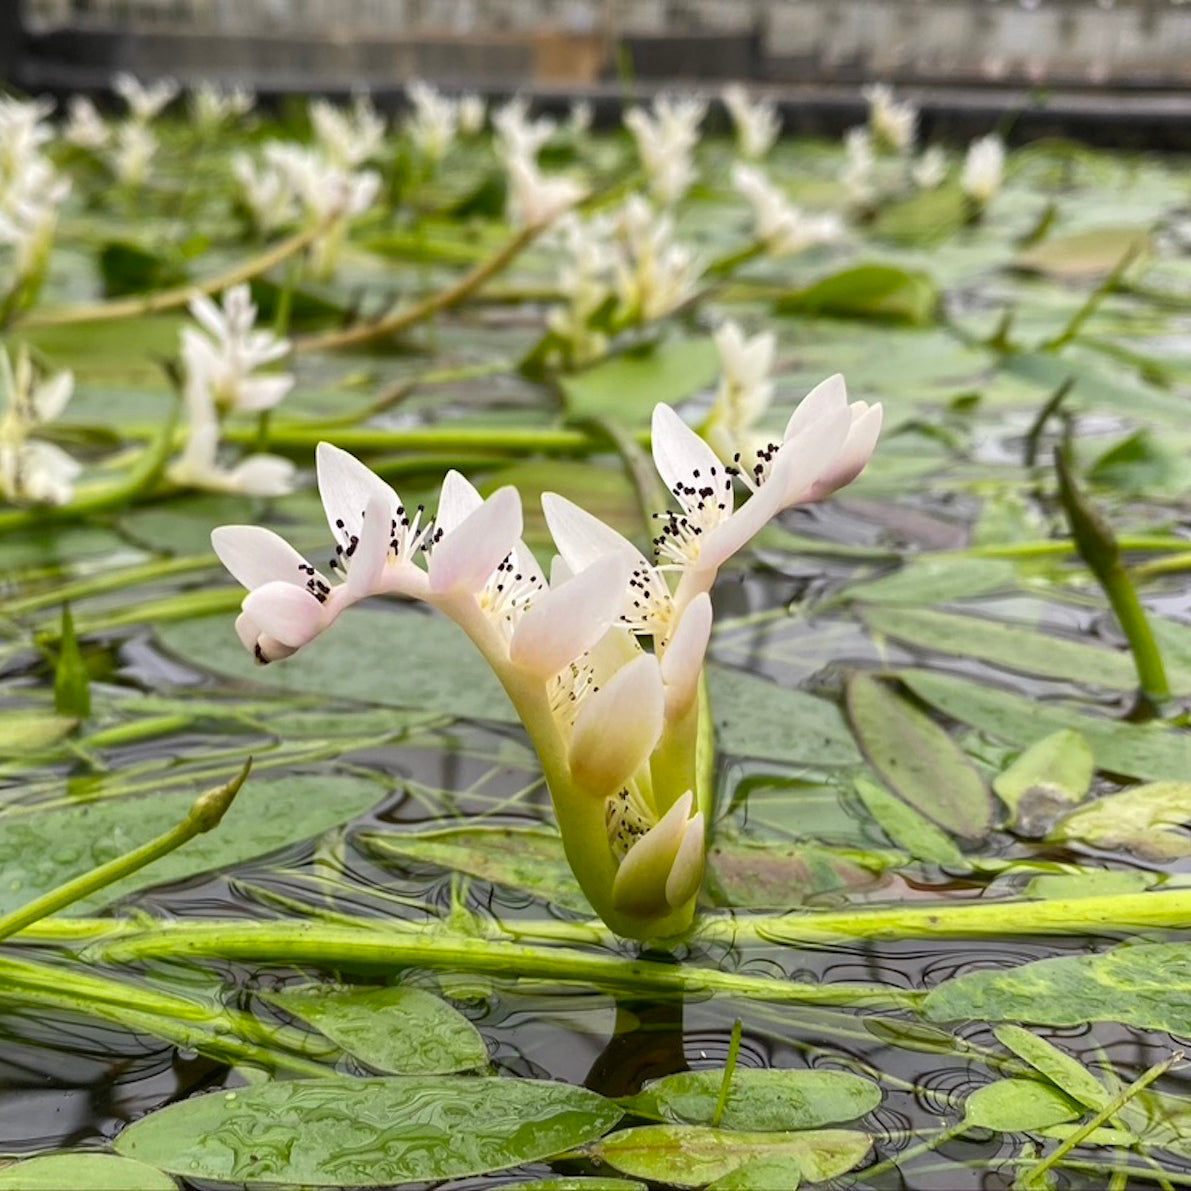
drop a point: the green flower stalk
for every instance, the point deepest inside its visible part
(603, 660)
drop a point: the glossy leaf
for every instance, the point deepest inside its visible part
(1147, 985)
(399, 1030)
(918, 759)
(1019, 1106)
(759, 1100)
(906, 827)
(1060, 1068)
(94, 1171)
(691, 1155)
(778, 876)
(339, 1132)
(1053, 774)
(41, 849)
(1083, 256)
(1149, 821)
(24, 732)
(881, 292)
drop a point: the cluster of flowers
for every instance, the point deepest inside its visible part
(893, 129)
(31, 191)
(602, 659)
(32, 470)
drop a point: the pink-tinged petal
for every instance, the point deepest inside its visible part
(368, 559)
(346, 486)
(291, 614)
(262, 647)
(686, 873)
(568, 620)
(256, 556)
(681, 456)
(856, 452)
(582, 538)
(262, 475)
(732, 535)
(457, 501)
(810, 454)
(617, 727)
(464, 558)
(682, 661)
(827, 397)
(639, 887)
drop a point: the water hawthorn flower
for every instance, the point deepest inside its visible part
(220, 357)
(348, 137)
(84, 125)
(745, 390)
(983, 170)
(782, 228)
(32, 470)
(893, 123)
(757, 124)
(212, 106)
(666, 139)
(433, 121)
(145, 103)
(602, 659)
(535, 199)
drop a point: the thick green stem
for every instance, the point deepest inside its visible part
(206, 813)
(385, 950)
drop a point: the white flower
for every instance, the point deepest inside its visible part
(85, 126)
(859, 163)
(23, 131)
(757, 124)
(536, 199)
(654, 274)
(433, 123)
(222, 361)
(31, 469)
(517, 136)
(584, 279)
(929, 171)
(212, 106)
(198, 466)
(745, 389)
(780, 226)
(144, 103)
(580, 117)
(29, 216)
(266, 191)
(472, 114)
(348, 137)
(893, 123)
(984, 168)
(666, 138)
(135, 145)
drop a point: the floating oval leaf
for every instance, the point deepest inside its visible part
(918, 759)
(1019, 1106)
(884, 292)
(1146, 985)
(759, 1099)
(1150, 821)
(1061, 1069)
(369, 1132)
(906, 827)
(690, 1155)
(1083, 256)
(399, 1030)
(526, 858)
(95, 1172)
(778, 876)
(41, 849)
(785, 1173)
(1054, 773)
(31, 731)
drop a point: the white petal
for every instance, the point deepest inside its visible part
(811, 453)
(368, 558)
(262, 392)
(206, 312)
(682, 661)
(856, 452)
(262, 475)
(725, 539)
(248, 631)
(568, 620)
(679, 454)
(640, 884)
(686, 873)
(827, 397)
(464, 558)
(457, 500)
(617, 727)
(289, 613)
(582, 538)
(346, 486)
(50, 398)
(256, 556)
